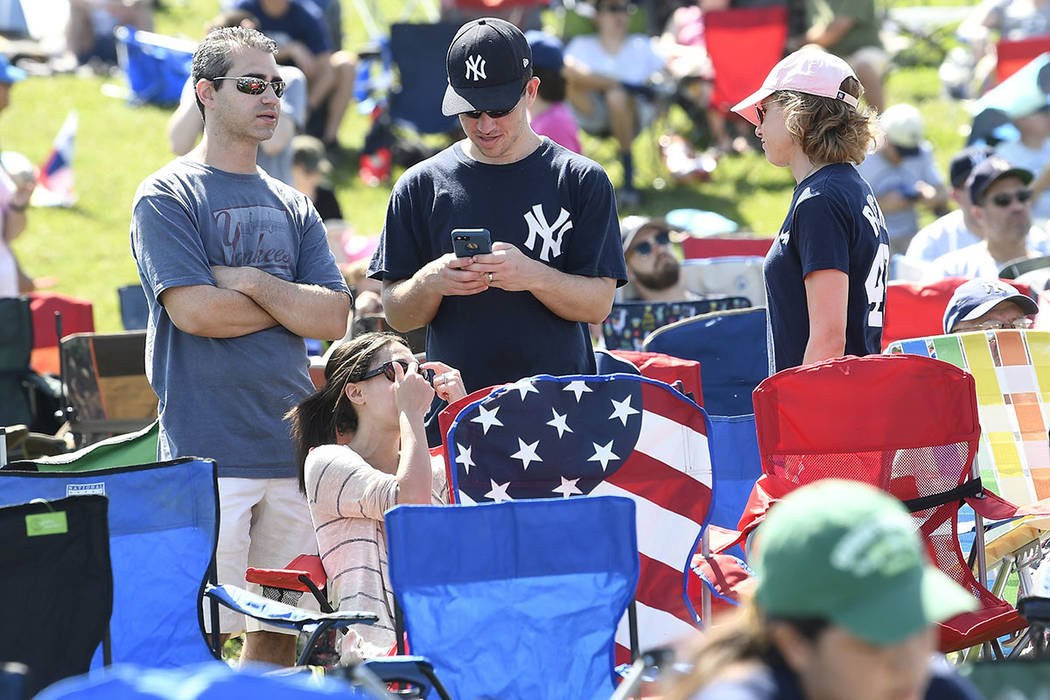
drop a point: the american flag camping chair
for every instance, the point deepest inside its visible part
(618, 434)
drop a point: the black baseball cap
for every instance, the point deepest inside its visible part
(486, 65)
(964, 162)
(990, 170)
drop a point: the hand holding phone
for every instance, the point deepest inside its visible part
(468, 242)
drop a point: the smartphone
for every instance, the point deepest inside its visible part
(471, 241)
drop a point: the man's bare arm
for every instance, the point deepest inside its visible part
(310, 311)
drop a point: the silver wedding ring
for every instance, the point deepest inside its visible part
(490, 278)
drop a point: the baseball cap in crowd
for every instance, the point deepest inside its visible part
(903, 127)
(975, 298)
(631, 225)
(10, 73)
(989, 171)
(811, 71)
(486, 65)
(547, 50)
(849, 553)
(964, 162)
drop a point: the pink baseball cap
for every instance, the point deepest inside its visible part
(811, 71)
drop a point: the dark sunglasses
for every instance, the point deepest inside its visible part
(614, 8)
(646, 247)
(494, 113)
(1004, 199)
(387, 370)
(255, 86)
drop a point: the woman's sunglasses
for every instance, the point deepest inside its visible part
(1005, 199)
(646, 247)
(255, 86)
(387, 370)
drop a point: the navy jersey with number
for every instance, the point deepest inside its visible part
(834, 223)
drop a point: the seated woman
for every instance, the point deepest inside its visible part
(362, 450)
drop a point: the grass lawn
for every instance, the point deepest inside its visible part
(117, 145)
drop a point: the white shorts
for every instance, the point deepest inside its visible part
(263, 523)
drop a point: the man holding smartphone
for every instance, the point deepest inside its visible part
(556, 257)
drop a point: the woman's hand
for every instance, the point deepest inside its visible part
(412, 392)
(448, 384)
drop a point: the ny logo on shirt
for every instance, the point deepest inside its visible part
(476, 68)
(552, 234)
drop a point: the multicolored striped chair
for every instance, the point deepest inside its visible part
(1011, 371)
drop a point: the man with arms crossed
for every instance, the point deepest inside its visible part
(556, 257)
(237, 270)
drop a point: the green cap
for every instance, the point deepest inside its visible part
(848, 553)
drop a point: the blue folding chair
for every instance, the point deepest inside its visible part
(419, 52)
(163, 525)
(731, 349)
(517, 599)
(155, 66)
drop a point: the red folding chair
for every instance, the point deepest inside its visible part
(907, 424)
(1012, 56)
(917, 310)
(77, 317)
(725, 247)
(743, 43)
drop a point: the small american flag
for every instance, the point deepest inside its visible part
(619, 434)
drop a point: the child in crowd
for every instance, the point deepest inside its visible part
(361, 448)
(549, 115)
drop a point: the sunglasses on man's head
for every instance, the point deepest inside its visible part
(646, 247)
(388, 371)
(494, 113)
(1005, 199)
(250, 85)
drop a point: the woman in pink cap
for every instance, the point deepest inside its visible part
(826, 271)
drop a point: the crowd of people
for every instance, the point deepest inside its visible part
(237, 265)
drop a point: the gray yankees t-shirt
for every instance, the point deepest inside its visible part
(225, 398)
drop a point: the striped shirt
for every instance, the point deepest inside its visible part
(347, 499)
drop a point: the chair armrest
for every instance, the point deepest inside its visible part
(414, 670)
(283, 615)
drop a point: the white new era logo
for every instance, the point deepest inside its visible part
(476, 68)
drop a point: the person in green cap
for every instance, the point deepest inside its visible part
(844, 608)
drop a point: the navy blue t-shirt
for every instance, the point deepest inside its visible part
(302, 22)
(834, 223)
(554, 205)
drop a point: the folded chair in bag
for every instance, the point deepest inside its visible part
(518, 599)
(696, 247)
(16, 347)
(163, 525)
(1011, 370)
(55, 574)
(731, 349)
(906, 424)
(619, 434)
(105, 381)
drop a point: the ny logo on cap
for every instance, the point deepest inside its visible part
(476, 68)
